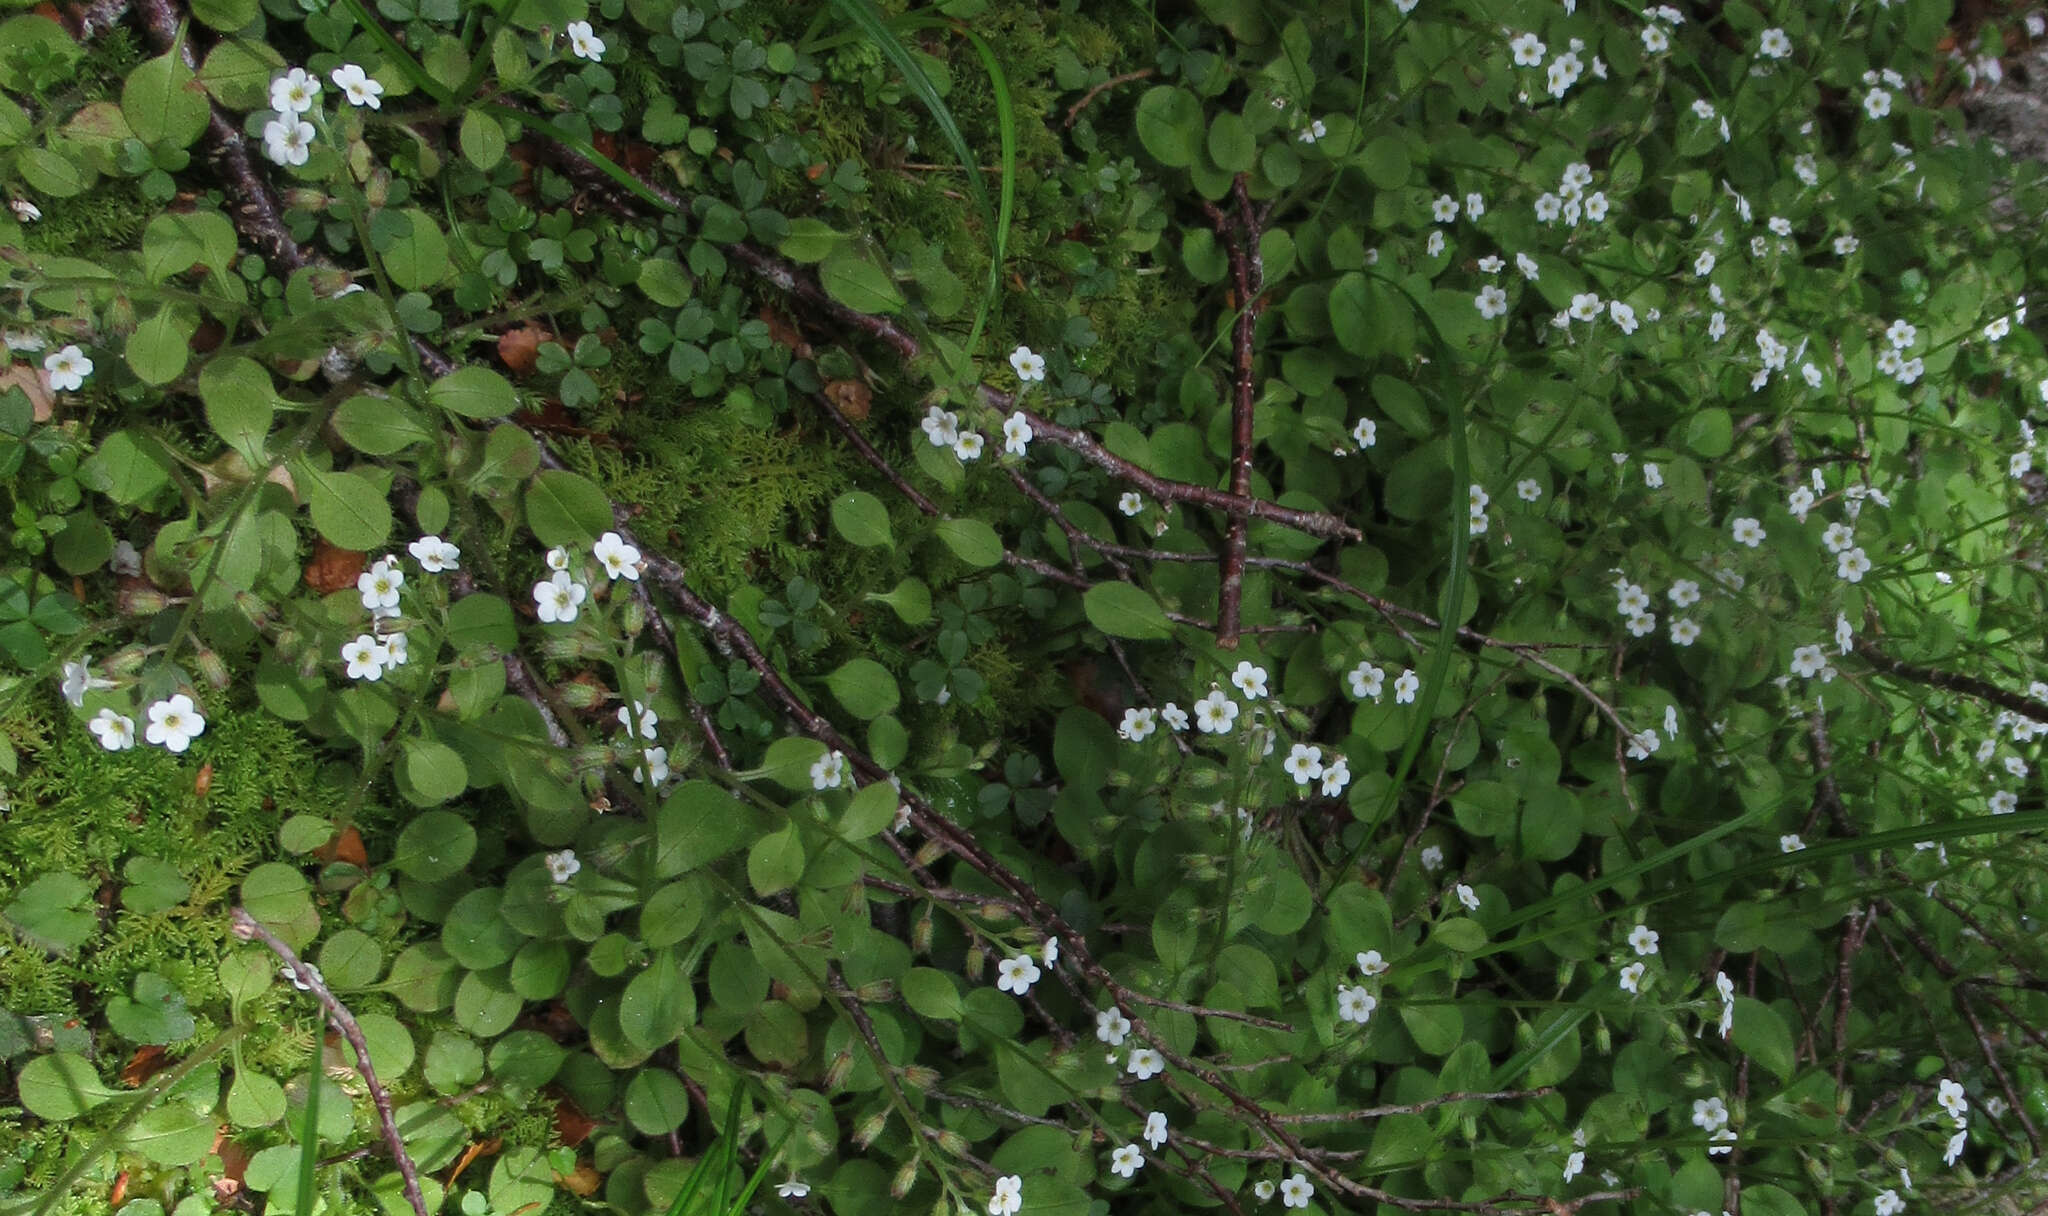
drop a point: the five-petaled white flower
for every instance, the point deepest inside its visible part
(1296, 1191)
(116, 731)
(358, 86)
(1304, 763)
(1528, 49)
(1138, 724)
(563, 866)
(1130, 502)
(1155, 1129)
(619, 559)
(1643, 939)
(1790, 843)
(646, 717)
(557, 600)
(1145, 1063)
(1808, 662)
(1336, 775)
(1709, 1114)
(1852, 564)
(1250, 679)
(656, 761)
(174, 722)
(828, 771)
(1215, 713)
(434, 554)
(968, 446)
(1009, 1196)
(1405, 686)
(1491, 302)
(1016, 974)
(1747, 531)
(1111, 1026)
(1955, 1147)
(288, 140)
(1028, 364)
(1632, 977)
(379, 584)
(1888, 1203)
(584, 42)
(1124, 1162)
(67, 369)
(1365, 432)
(1950, 1098)
(295, 92)
(1468, 897)
(366, 657)
(1355, 1004)
(792, 1189)
(1016, 433)
(1370, 963)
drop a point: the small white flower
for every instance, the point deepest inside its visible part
(563, 866)
(1355, 1004)
(1155, 1129)
(1655, 40)
(655, 762)
(1444, 209)
(1632, 977)
(1653, 477)
(174, 722)
(1491, 302)
(1951, 1099)
(1016, 974)
(1336, 775)
(1145, 1063)
(288, 140)
(557, 600)
(1468, 897)
(365, 657)
(584, 42)
(1304, 763)
(792, 1189)
(1888, 1203)
(941, 427)
(1124, 1162)
(1724, 1142)
(115, 731)
(1684, 631)
(968, 446)
(619, 559)
(828, 772)
(1747, 531)
(1575, 1164)
(1709, 1114)
(1807, 661)
(1314, 131)
(1851, 565)
(379, 585)
(292, 977)
(558, 558)
(1365, 432)
(1250, 679)
(1366, 681)
(293, 93)
(1009, 1196)
(1790, 843)
(434, 554)
(1432, 858)
(1955, 1147)
(1138, 724)
(67, 369)
(1174, 716)
(1130, 502)
(1643, 939)
(1529, 489)
(1405, 686)
(1016, 433)
(1215, 714)
(1296, 1191)
(357, 85)
(1877, 103)
(1111, 1026)
(1528, 49)
(1028, 364)
(648, 720)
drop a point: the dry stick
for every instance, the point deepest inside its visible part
(1088, 98)
(247, 928)
(1241, 238)
(1981, 689)
(1415, 1108)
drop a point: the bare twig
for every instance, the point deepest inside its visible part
(247, 928)
(1240, 234)
(1983, 690)
(1088, 98)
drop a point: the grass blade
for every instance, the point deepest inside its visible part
(309, 1143)
(399, 57)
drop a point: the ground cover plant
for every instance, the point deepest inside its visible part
(688, 605)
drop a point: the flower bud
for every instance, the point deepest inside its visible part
(904, 1180)
(1203, 778)
(929, 852)
(210, 668)
(1603, 1038)
(1817, 1168)
(918, 1076)
(838, 1070)
(633, 617)
(952, 1143)
(994, 912)
(921, 933)
(581, 694)
(870, 1129)
(1565, 971)
(977, 958)
(141, 601)
(252, 607)
(125, 662)
(1469, 1125)
(288, 642)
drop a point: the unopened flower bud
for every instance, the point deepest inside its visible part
(904, 1180)
(994, 912)
(561, 647)
(1469, 1125)
(876, 992)
(870, 1129)
(252, 607)
(918, 1076)
(580, 694)
(124, 662)
(921, 933)
(929, 852)
(633, 617)
(1204, 778)
(977, 958)
(952, 1143)
(838, 1070)
(1565, 971)
(1603, 1038)
(141, 601)
(207, 663)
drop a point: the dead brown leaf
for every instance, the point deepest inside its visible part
(584, 1181)
(519, 349)
(785, 333)
(571, 1124)
(477, 1148)
(202, 783)
(332, 569)
(144, 1064)
(33, 381)
(851, 397)
(346, 846)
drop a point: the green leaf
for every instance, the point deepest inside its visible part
(1124, 610)
(160, 346)
(430, 772)
(156, 1012)
(163, 102)
(870, 810)
(665, 282)
(972, 541)
(859, 284)
(810, 240)
(658, 1005)
(1762, 1035)
(1710, 432)
(932, 993)
(51, 912)
(61, 1086)
(348, 508)
(239, 401)
(564, 508)
(1170, 125)
(482, 139)
(696, 825)
(474, 392)
(1230, 143)
(910, 598)
(861, 518)
(379, 426)
(434, 846)
(418, 259)
(865, 688)
(1460, 933)
(132, 469)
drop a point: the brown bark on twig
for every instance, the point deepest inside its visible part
(1088, 98)
(1983, 690)
(247, 928)
(1240, 235)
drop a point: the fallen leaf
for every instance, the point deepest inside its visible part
(583, 1181)
(202, 783)
(33, 381)
(851, 397)
(347, 846)
(785, 333)
(571, 1124)
(120, 1191)
(144, 1064)
(519, 349)
(332, 569)
(477, 1148)
(234, 1162)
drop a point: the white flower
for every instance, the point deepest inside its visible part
(1405, 686)
(1888, 1203)
(174, 722)
(1724, 1142)
(1724, 986)
(1355, 1004)
(2020, 464)
(563, 866)
(293, 93)
(1491, 301)
(365, 657)
(1630, 599)
(1685, 631)
(1575, 1164)
(379, 585)
(1563, 74)
(1138, 724)
(619, 559)
(357, 85)
(1155, 1129)
(1950, 1098)
(1304, 763)
(1807, 661)
(1296, 1191)
(1215, 713)
(1851, 565)
(1655, 40)
(647, 718)
(1747, 531)
(1585, 306)
(1838, 537)
(1653, 476)
(556, 601)
(1632, 977)
(1124, 1162)
(1130, 502)
(288, 140)
(1644, 743)
(1877, 103)
(25, 211)
(116, 732)
(968, 446)
(127, 558)
(67, 369)
(1366, 681)
(1028, 364)
(1145, 1063)
(558, 558)
(1468, 897)
(1790, 843)
(434, 554)
(1528, 49)
(1314, 131)
(941, 427)
(1009, 1196)
(1365, 432)
(1643, 939)
(584, 42)
(1336, 775)
(1174, 716)
(1709, 1114)
(1250, 679)
(792, 1189)
(1434, 246)
(1016, 974)
(287, 973)
(655, 760)
(1111, 1026)
(1016, 433)
(1444, 209)
(828, 771)
(1955, 1147)
(1529, 489)
(1670, 732)
(79, 680)
(1432, 858)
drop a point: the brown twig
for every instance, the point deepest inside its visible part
(1414, 1108)
(1074, 111)
(1983, 690)
(247, 928)
(1240, 235)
